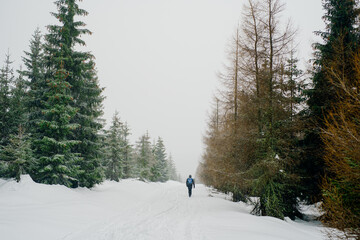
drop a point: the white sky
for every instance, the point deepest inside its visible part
(157, 59)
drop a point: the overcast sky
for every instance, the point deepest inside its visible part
(157, 59)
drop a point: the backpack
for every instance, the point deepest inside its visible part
(189, 181)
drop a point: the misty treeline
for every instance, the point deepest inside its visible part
(50, 116)
(146, 160)
(277, 134)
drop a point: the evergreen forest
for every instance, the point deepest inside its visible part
(51, 124)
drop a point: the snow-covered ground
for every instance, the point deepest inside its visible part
(132, 209)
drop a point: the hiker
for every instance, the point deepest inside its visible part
(190, 182)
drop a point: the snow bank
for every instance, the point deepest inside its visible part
(132, 209)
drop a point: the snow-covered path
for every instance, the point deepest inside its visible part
(165, 212)
(134, 210)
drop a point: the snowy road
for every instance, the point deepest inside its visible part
(134, 210)
(165, 212)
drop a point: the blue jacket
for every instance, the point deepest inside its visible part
(190, 182)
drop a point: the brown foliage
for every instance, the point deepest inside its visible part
(250, 141)
(341, 187)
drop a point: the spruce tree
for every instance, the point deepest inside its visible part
(61, 43)
(19, 98)
(16, 158)
(56, 163)
(341, 19)
(172, 169)
(144, 157)
(7, 79)
(114, 161)
(159, 170)
(34, 74)
(14, 141)
(33, 60)
(126, 150)
(118, 160)
(293, 86)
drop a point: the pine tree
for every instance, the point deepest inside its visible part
(341, 19)
(60, 46)
(19, 97)
(7, 79)
(33, 60)
(114, 160)
(172, 169)
(14, 142)
(34, 73)
(293, 86)
(159, 170)
(144, 157)
(118, 160)
(56, 163)
(16, 157)
(126, 150)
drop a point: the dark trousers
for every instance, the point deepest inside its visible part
(190, 189)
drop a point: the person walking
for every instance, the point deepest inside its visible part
(190, 182)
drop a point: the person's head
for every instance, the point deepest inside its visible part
(190, 176)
